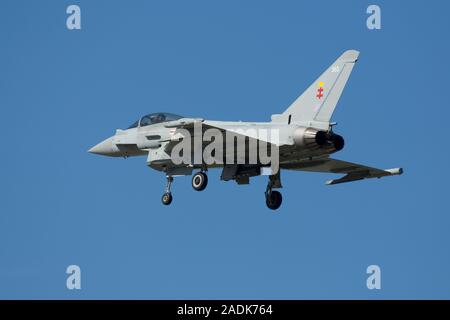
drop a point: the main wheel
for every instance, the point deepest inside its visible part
(166, 198)
(199, 181)
(273, 201)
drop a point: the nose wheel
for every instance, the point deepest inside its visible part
(167, 196)
(199, 181)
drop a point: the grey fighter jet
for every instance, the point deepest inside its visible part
(301, 138)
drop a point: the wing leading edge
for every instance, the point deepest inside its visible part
(352, 171)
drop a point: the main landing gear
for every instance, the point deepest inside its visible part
(167, 196)
(273, 198)
(199, 181)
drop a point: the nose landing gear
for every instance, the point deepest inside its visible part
(167, 196)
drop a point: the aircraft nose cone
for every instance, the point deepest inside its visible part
(104, 148)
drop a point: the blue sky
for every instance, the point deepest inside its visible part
(63, 91)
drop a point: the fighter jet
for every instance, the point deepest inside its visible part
(301, 138)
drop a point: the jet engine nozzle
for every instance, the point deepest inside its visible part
(337, 141)
(311, 138)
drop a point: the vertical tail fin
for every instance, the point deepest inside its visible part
(318, 102)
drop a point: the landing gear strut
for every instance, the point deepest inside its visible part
(273, 198)
(167, 196)
(199, 181)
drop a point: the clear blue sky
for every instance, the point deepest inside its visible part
(63, 91)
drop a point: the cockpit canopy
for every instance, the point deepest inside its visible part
(154, 118)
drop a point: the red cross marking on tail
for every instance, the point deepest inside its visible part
(319, 93)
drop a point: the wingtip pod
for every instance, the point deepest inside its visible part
(395, 171)
(349, 56)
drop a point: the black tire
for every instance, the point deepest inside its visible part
(199, 181)
(274, 200)
(166, 198)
